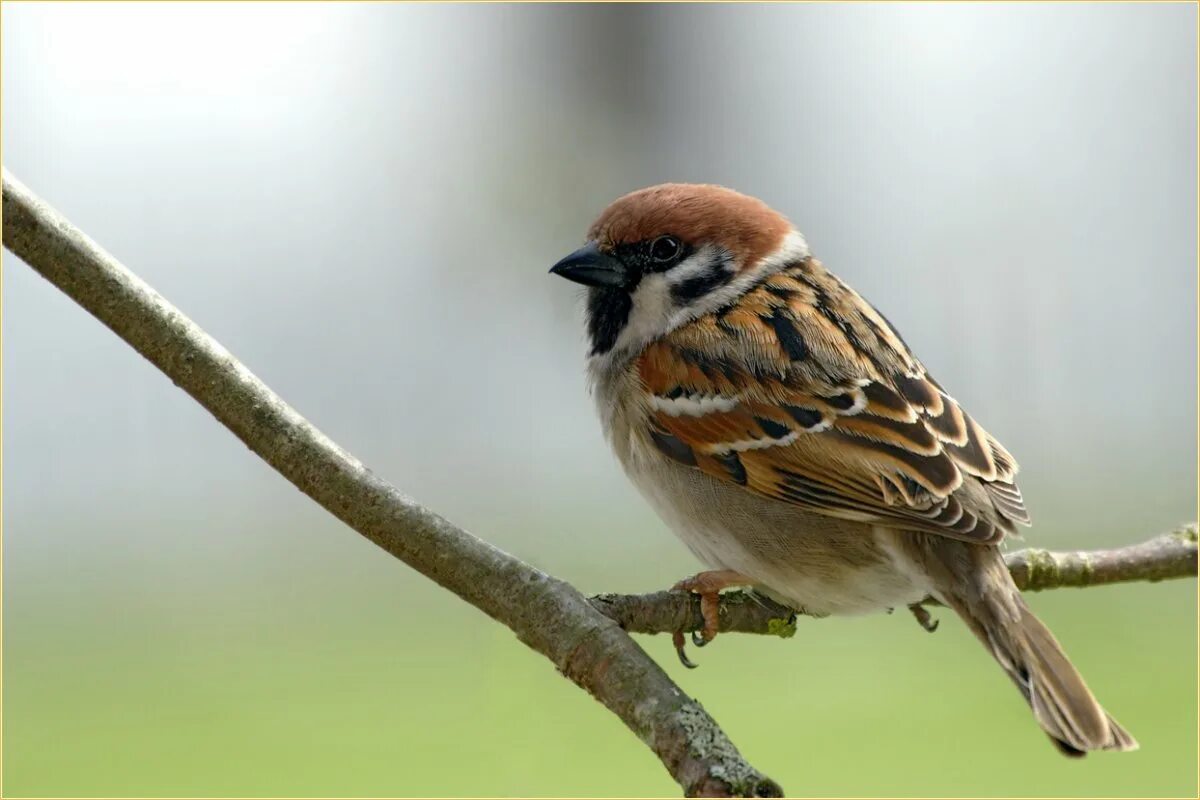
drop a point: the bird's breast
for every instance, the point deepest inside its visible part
(808, 560)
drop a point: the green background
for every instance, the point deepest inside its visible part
(355, 677)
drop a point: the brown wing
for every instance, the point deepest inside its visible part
(804, 393)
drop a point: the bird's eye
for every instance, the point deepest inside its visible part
(665, 249)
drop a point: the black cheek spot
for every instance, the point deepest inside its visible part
(789, 338)
(776, 430)
(675, 393)
(807, 417)
(674, 448)
(698, 286)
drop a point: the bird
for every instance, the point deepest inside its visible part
(782, 428)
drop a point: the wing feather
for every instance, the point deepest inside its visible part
(803, 392)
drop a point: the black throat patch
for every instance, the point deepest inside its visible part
(607, 312)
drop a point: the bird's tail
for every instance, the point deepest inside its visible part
(1062, 703)
(991, 605)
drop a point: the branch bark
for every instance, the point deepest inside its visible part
(545, 613)
(1168, 556)
(587, 640)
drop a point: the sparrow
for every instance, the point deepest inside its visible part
(781, 427)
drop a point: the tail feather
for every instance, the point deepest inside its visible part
(975, 582)
(1061, 701)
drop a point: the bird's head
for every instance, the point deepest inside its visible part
(660, 257)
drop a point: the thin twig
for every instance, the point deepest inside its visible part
(1171, 555)
(544, 612)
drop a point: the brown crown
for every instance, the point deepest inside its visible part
(696, 213)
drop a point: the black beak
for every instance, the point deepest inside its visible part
(591, 267)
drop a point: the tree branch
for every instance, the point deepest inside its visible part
(545, 613)
(1171, 555)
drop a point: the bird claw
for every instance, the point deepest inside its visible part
(924, 618)
(708, 586)
(681, 650)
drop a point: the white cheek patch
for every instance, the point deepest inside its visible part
(709, 265)
(648, 317)
(655, 305)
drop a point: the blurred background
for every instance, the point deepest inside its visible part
(362, 202)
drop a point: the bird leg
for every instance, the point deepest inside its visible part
(924, 618)
(708, 585)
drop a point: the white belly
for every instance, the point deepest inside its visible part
(810, 561)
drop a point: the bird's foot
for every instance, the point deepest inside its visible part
(924, 618)
(708, 585)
